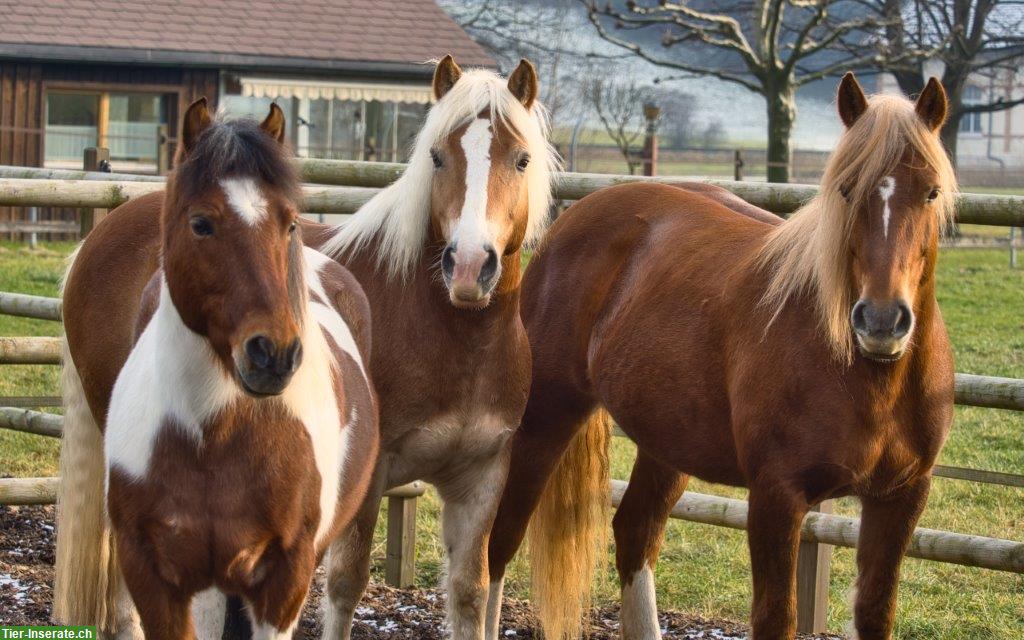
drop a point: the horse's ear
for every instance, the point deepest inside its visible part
(197, 120)
(274, 124)
(446, 75)
(931, 104)
(523, 83)
(851, 99)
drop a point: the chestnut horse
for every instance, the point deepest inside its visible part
(804, 359)
(226, 364)
(438, 253)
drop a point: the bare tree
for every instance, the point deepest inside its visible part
(619, 107)
(770, 47)
(981, 38)
(540, 31)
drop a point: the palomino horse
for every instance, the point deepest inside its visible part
(225, 362)
(438, 254)
(804, 359)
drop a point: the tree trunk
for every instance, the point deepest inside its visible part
(781, 114)
(949, 134)
(953, 80)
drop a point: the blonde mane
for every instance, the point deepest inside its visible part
(809, 253)
(397, 217)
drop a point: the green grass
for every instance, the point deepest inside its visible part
(705, 570)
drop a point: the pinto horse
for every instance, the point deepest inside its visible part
(804, 359)
(438, 254)
(226, 363)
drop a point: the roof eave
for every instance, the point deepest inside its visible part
(159, 57)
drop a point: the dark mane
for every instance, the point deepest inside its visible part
(237, 148)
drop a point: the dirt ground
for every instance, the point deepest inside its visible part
(26, 589)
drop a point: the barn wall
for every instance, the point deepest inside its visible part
(22, 103)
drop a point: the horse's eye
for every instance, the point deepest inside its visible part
(201, 226)
(933, 194)
(523, 163)
(436, 157)
(845, 192)
(292, 227)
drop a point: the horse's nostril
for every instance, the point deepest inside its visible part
(260, 351)
(857, 318)
(293, 356)
(490, 266)
(904, 320)
(448, 261)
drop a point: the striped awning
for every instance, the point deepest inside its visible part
(317, 89)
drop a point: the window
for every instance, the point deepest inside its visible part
(126, 123)
(71, 126)
(971, 122)
(360, 130)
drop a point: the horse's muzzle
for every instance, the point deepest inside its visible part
(470, 274)
(882, 330)
(265, 369)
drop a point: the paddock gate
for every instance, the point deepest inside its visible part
(340, 187)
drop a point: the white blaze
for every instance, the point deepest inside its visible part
(476, 145)
(887, 189)
(244, 196)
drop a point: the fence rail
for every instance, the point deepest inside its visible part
(92, 192)
(927, 544)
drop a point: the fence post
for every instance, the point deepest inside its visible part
(163, 157)
(94, 159)
(737, 163)
(812, 573)
(650, 152)
(400, 566)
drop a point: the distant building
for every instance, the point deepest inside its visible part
(992, 140)
(349, 74)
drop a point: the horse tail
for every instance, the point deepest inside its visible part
(568, 531)
(86, 569)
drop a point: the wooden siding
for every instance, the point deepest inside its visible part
(23, 87)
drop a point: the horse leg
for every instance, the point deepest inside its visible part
(348, 563)
(282, 584)
(470, 501)
(887, 525)
(639, 526)
(773, 534)
(536, 447)
(162, 607)
(123, 611)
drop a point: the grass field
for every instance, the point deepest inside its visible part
(705, 569)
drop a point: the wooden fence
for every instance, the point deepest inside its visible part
(22, 186)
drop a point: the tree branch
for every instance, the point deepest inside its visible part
(593, 15)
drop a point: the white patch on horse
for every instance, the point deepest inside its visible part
(266, 631)
(639, 616)
(170, 373)
(315, 262)
(476, 145)
(887, 190)
(492, 623)
(209, 608)
(311, 397)
(245, 198)
(327, 316)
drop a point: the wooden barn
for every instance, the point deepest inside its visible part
(349, 74)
